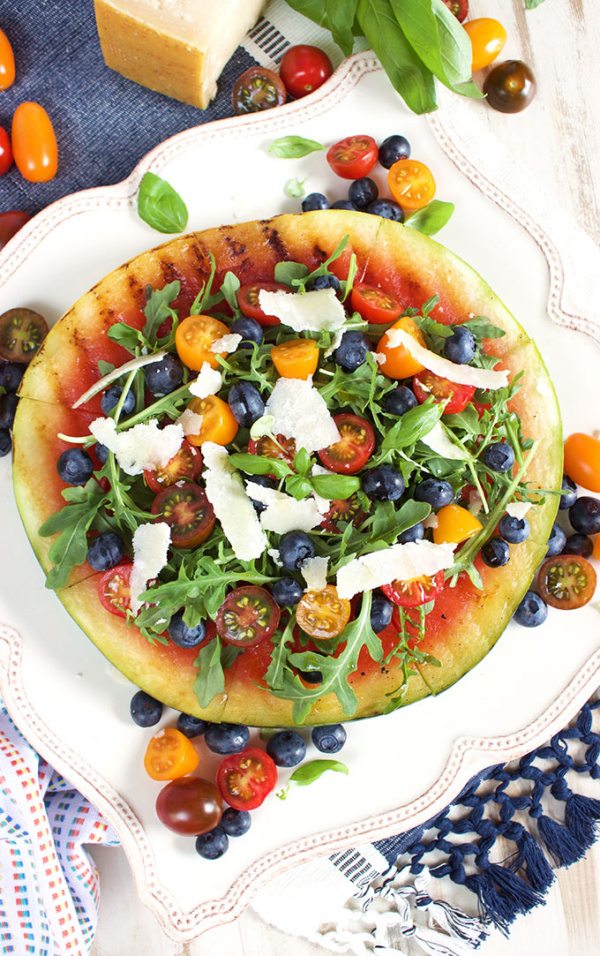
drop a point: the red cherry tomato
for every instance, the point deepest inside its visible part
(355, 447)
(247, 298)
(284, 450)
(246, 779)
(6, 154)
(7, 62)
(303, 69)
(353, 157)
(442, 390)
(113, 589)
(415, 592)
(247, 616)
(10, 223)
(187, 463)
(460, 8)
(189, 806)
(257, 89)
(34, 143)
(342, 509)
(375, 305)
(185, 507)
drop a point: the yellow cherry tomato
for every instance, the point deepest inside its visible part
(582, 460)
(411, 184)
(193, 340)
(218, 423)
(323, 614)
(7, 62)
(455, 524)
(399, 363)
(34, 144)
(596, 551)
(169, 755)
(487, 38)
(297, 358)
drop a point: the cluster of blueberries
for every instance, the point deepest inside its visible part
(286, 748)
(11, 374)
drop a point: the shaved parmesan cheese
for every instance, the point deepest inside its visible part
(144, 447)
(518, 509)
(314, 572)
(209, 382)
(150, 549)
(379, 358)
(233, 508)
(191, 422)
(440, 442)
(275, 558)
(283, 513)
(316, 311)
(300, 413)
(335, 342)
(461, 374)
(431, 521)
(323, 504)
(400, 562)
(227, 343)
(475, 502)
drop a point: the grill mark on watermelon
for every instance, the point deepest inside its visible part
(276, 242)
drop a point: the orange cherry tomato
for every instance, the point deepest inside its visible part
(411, 184)
(194, 337)
(34, 143)
(169, 755)
(596, 551)
(218, 423)
(7, 62)
(455, 524)
(297, 358)
(399, 363)
(323, 614)
(582, 460)
(487, 38)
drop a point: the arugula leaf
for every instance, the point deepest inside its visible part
(260, 465)
(323, 269)
(274, 674)
(347, 283)
(307, 773)
(127, 337)
(210, 679)
(72, 524)
(293, 147)
(204, 300)
(158, 309)
(289, 272)
(161, 206)
(431, 218)
(482, 328)
(340, 17)
(104, 368)
(413, 425)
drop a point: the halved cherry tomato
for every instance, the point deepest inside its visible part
(7, 62)
(6, 154)
(399, 363)
(10, 223)
(187, 463)
(169, 755)
(218, 422)
(582, 460)
(411, 183)
(194, 337)
(186, 509)
(460, 8)
(245, 779)
(414, 592)
(455, 524)
(374, 304)
(596, 551)
(487, 38)
(189, 806)
(355, 447)
(353, 157)
(323, 614)
(296, 358)
(456, 396)
(342, 509)
(34, 143)
(284, 450)
(247, 616)
(257, 89)
(567, 581)
(22, 331)
(113, 589)
(247, 298)
(304, 68)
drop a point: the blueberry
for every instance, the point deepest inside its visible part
(265, 482)
(569, 493)
(556, 541)
(386, 208)
(246, 403)
(11, 374)
(584, 515)
(362, 192)
(351, 352)
(249, 329)
(286, 748)
(145, 710)
(185, 636)
(74, 466)
(435, 492)
(105, 551)
(578, 544)
(112, 396)
(314, 201)
(235, 822)
(164, 376)
(460, 346)
(323, 282)
(400, 400)
(5, 442)
(294, 548)
(532, 611)
(381, 612)
(329, 739)
(101, 452)
(311, 677)
(343, 204)
(383, 483)
(514, 530)
(416, 533)
(8, 409)
(392, 149)
(191, 726)
(213, 844)
(286, 592)
(499, 456)
(227, 738)
(495, 553)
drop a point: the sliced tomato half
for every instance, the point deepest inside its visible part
(187, 463)
(375, 305)
(353, 157)
(245, 779)
(283, 450)
(185, 507)
(414, 592)
(247, 616)
(567, 581)
(247, 298)
(343, 509)
(456, 396)
(355, 447)
(113, 589)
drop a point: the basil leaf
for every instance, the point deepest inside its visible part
(210, 679)
(307, 773)
(161, 206)
(335, 486)
(313, 9)
(293, 147)
(298, 487)
(340, 17)
(294, 188)
(229, 288)
(288, 272)
(127, 337)
(412, 426)
(260, 465)
(482, 328)
(302, 461)
(456, 52)
(532, 4)
(158, 308)
(438, 40)
(431, 218)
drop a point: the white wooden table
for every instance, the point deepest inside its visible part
(559, 137)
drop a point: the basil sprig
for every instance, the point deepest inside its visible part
(309, 772)
(293, 147)
(431, 218)
(161, 206)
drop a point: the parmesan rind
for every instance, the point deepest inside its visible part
(400, 562)
(233, 508)
(150, 552)
(461, 374)
(316, 311)
(299, 412)
(209, 382)
(144, 447)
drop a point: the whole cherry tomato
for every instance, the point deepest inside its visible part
(460, 8)
(296, 358)
(10, 223)
(7, 62)
(189, 806)
(353, 157)
(510, 87)
(34, 143)
(582, 460)
(399, 363)
(257, 89)
(303, 69)
(487, 38)
(6, 153)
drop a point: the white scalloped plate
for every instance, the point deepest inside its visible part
(404, 767)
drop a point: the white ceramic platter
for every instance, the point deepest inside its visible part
(404, 767)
